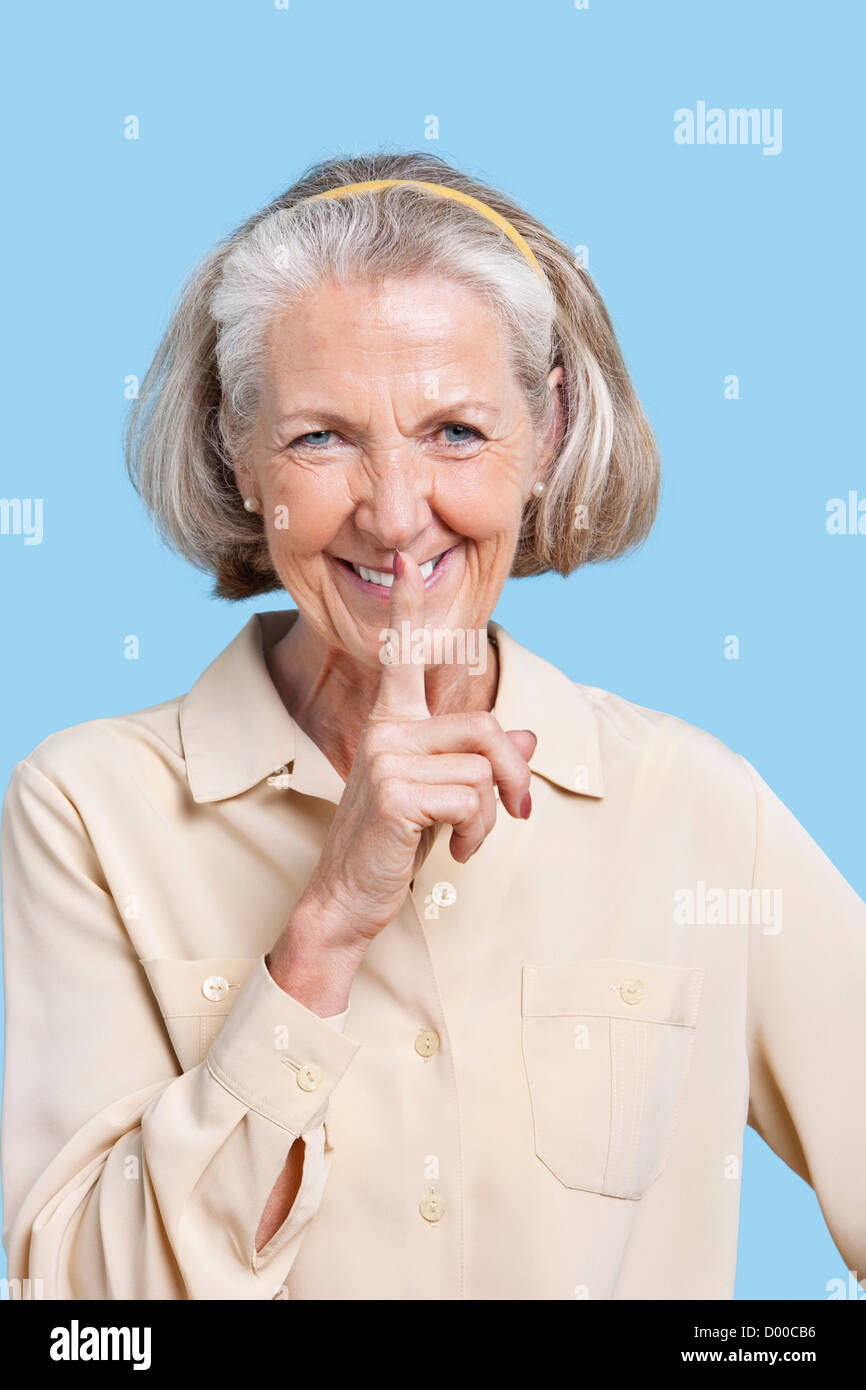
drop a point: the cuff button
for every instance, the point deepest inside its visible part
(309, 1076)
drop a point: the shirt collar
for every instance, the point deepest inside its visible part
(236, 731)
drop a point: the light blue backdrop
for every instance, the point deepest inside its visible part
(713, 260)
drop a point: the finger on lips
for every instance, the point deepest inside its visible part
(402, 695)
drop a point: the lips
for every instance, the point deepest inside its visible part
(386, 577)
(379, 581)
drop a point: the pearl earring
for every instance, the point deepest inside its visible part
(251, 504)
(538, 489)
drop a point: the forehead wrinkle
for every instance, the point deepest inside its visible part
(423, 328)
(371, 390)
(347, 358)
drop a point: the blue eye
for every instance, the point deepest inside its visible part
(314, 436)
(323, 439)
(469, 435)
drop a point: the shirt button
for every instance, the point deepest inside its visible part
(432, 1207)
(215, 987)
(444, 894)
(427, 1042)
(632, 991)
(309, 1076)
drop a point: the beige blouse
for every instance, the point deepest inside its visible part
(550, 1054)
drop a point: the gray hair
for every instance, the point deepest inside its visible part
(192, 421)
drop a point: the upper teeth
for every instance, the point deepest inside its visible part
(382, 577)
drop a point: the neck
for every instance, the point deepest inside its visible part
(330, 696)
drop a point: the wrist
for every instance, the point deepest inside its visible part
(316, 957)
(324, 915)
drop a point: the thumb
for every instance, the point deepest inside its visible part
(524, 740)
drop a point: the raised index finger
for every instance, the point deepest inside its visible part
(401, 690)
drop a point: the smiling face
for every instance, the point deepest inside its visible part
(390, 417)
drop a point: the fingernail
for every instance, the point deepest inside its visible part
(398, 564)
(526, 806)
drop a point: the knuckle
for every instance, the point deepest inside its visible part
(480, 770)
(483, 723)
(387, 796)
(381, 765)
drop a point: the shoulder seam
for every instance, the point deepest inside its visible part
(104, 721)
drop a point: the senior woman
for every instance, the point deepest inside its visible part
(271, 1032)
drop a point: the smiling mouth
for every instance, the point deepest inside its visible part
(386, 577)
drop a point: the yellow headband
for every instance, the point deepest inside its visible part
(444, 191)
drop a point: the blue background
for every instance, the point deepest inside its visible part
(711, 260)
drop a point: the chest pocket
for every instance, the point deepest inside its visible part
(606, 1047)
(195, 998)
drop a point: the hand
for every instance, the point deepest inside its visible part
(412, 772)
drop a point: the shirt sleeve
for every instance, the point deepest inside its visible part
(123, 1179)
(807, 1019)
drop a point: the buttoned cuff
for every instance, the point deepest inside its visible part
(277, 1056)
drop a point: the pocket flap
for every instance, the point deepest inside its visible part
(614, 988)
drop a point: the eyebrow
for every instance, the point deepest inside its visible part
(333, 419)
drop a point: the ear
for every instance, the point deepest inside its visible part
(244, 482)
(550, 440)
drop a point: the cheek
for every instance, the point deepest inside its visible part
(305, 510)
(481, 498)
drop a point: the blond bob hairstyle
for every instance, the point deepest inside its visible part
(192, 421)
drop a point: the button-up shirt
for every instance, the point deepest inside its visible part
(540, 1087)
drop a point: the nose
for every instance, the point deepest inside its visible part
(394, 508)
